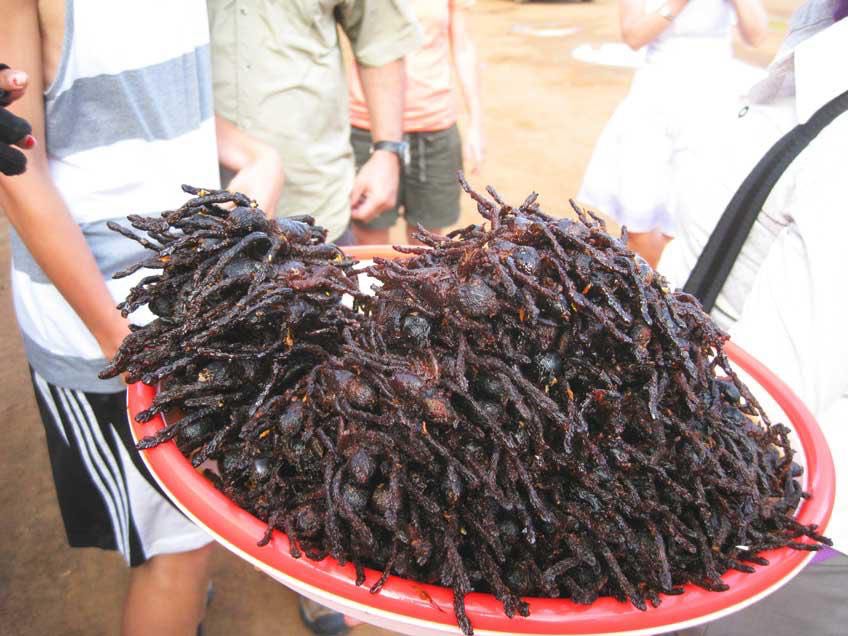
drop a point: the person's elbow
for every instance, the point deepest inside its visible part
(755, 34)
(632, 38)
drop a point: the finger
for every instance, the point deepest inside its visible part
(479, 156)
(12, 162)
(27, 143)
(12, 127)
(12, 80)
(470, 159)
(365, 210)
(358, 192)
(12, 85)
(478, 160)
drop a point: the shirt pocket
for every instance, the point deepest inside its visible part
(294, 37)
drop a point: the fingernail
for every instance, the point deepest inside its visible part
(29, 142)
(19, 80)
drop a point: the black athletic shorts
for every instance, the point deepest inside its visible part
(107, 497)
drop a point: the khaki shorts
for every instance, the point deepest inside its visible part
(429, 190)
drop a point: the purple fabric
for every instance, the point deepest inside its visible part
(823, 555)
(841, 10)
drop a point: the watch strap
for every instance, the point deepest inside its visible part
(400, 148)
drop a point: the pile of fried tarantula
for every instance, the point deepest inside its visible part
(521, 407)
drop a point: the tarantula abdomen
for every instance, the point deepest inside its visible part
(355, 497)
(526, 259)
(437, 408)
(308, 521)
(416, 328)
(476, 299)
(547, 366)
(243, 220)
(360, 393)
(290, 421)
(362, 466)
(295, 231)
(241, 267)
(407, 384)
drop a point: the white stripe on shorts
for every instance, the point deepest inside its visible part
(106, 452)
(44, 389)
(106, 494)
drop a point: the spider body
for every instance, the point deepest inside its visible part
(522, 407)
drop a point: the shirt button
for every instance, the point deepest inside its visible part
(743, 112)
(243, 12)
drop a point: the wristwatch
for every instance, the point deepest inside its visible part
(665, 11)
(400, 148)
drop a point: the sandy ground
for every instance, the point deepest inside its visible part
(544, 111)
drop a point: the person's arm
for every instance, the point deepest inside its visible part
(34, 206)
(639, 26)
(467, 72)
(752, 21)
(258, 167)
(381, 33)
(14, 131)
(376, 185)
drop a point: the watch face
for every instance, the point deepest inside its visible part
(404, 153)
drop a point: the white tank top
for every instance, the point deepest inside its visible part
(129, 118)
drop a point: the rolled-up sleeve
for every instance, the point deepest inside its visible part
(380, 31)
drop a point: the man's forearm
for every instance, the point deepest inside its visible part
(376, 185)
(466, 64)
(383, 87)
(236, 149)
(257, 165)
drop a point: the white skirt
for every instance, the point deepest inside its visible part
(629, 176)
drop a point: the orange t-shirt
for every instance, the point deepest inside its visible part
(429, 101)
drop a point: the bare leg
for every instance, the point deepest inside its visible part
(167, 595)
(368, 236)
(648, 245)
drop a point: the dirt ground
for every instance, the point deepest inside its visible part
(544, 111)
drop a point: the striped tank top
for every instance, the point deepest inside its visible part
(129, 117)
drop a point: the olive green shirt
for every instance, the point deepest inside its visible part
(278, 74)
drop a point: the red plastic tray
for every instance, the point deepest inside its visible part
(416, 608)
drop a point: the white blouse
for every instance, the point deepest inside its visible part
(785, 301)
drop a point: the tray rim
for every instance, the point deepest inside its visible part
(429, 608)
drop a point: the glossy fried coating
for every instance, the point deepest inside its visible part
(522, 408)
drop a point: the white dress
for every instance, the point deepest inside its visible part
(688, 74)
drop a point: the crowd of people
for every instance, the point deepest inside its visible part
(98, 120)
